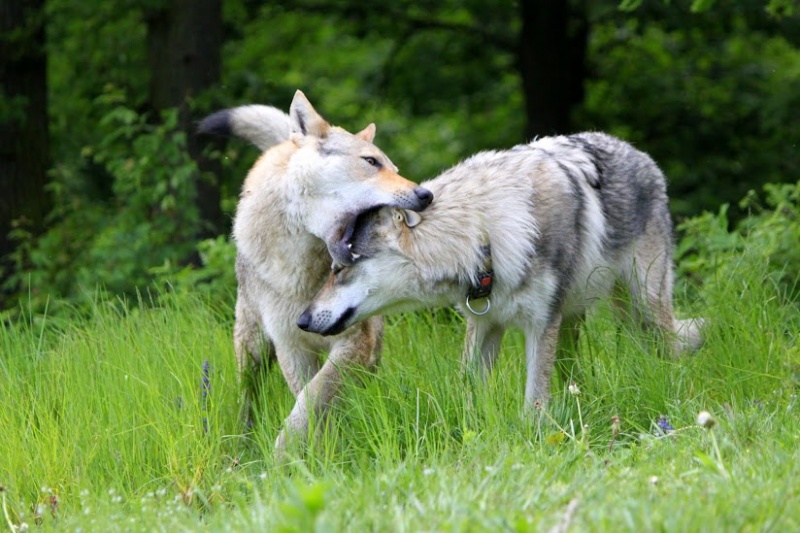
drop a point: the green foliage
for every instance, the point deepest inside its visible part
(782, 8)
(435, 89)
(710, 253)
(91, 45)
(150, 219)
(214, 277)
(712, 95)
(776, 8)
(716, 107)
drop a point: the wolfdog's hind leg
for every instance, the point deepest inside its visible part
(251, 350)
(656, 292)
(651, 294)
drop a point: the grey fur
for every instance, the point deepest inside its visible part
(568, 217)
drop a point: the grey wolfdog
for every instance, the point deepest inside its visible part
(528, 237)
(300, 202)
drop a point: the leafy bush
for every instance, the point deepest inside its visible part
(710, 253)
(149, 219)
(716, 107)
(215, 277)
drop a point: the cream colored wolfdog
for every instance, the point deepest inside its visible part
(528, 237)
(300, 202)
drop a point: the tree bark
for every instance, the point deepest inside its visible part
(552, 54)
(184, 48)
(24, 133)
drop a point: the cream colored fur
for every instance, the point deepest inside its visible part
(295, 205)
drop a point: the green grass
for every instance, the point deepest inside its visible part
(102, 428)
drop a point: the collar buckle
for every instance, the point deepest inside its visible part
(482, 311)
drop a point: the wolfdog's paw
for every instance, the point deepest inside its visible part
(279, 455)
(690, 334)
(288, 446)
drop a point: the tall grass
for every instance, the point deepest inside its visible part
(127, 420)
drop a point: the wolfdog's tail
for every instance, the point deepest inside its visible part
(262, 125)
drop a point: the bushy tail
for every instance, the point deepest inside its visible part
(262, 125)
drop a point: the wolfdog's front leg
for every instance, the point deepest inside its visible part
(357, 348)
(299, 365)
(540, 353)
(481, 346)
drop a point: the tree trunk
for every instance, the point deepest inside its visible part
(184, 40)
(24, 134)
(552, 53)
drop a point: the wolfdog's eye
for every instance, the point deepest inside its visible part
(372, 161)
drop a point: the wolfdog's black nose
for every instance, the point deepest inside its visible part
(304, 321)
(425, 196)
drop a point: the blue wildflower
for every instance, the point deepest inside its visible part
(664, 426)
(205, 388)
(206, 382)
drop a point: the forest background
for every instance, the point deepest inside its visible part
(104, 184)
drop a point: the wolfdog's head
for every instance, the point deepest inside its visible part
(383, 276)
(343, 177)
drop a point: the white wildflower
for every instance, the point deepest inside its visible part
(705, 420)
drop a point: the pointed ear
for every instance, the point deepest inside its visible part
(367, 134)
(412, 218)
(304, 119)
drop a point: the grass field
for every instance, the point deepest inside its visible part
(126, 421)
